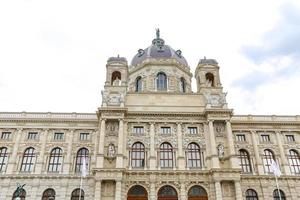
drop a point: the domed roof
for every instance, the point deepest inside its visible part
(158, 49)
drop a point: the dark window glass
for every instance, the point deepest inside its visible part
(138, 155)
(55, 160)
(138, 84)
(192, 130)
(28, 160)
(136, 191)
(161, 81)
(32, 136)
(294, 161)
(265, 138)
(193, 154)
(58, 136)
(165, 130)
(22, 195)
(167, 191)
(268, 158)
(290, 138)
(276, 195)
(3, 158)
(76, 193)
(240, 137)
(84, 136)
(5, 135)
(81, 154)
(197, 191)
(182, 85)
(251, 195)
(245, 161)
(138, 129)
(166, 155)
(49, 194)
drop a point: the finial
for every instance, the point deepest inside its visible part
(157, 33)
(118, 56)
(204, 57)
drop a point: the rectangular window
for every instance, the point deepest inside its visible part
(265, 138)
(165, 130)
(193, 130)
(138, 129)
(84, 136)
(5, 135)
(241, 137)
(58, 136)
(32, 136)
(290, 138)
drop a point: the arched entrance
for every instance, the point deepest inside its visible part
(137, 192)
(197, 193)
(167, 193)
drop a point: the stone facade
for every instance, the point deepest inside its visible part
(151, 131)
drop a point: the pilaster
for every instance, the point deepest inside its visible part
(100, 156)
(284, 160)
(233, 159)
(218, 189)
(68, 163)
(40, 160)
(152, 147)
(180, 157)
(118, 192)
(12, 160)
(119, 163)
(213, 146)
(238, 190)
(97, 195)
(259, 165)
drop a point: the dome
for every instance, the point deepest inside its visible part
(157, 50)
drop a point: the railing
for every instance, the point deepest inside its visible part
(48, 115)
(266, 118)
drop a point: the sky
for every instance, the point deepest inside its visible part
(53, 53)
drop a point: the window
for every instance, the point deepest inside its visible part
(197, 192)
(193, 130)
(166, 192)
(245, 161)
(182, 85)
(138, 155)
(268, 158)
(58, 136)
(294, 161)
(28, 160)
(3, 158)
(251, 195)
(265, 138)
(240, 137)
(138, 84)
(276, 195)
(82, 153)
(161, 81)
(22, 195)
(194, 157)
(166, 155)
(55, 160)
(32, 136)
(137, 192)
(5, 135)
(209, 80)
(116, 78)
(76, 193)
(138, 129)
(49, 194)
(290, 138)
(84, 136)
(165, 130)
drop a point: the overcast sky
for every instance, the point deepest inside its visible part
(53, 53)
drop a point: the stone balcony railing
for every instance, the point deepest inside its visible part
(265, 118)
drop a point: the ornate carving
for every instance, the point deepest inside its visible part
(215, 99)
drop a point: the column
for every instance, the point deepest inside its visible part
(180, 157)
(213, 146)
(12, 164)
(68, 162)
(100, 156)
(152, 162)
(238, 190)
(218, 190)
(118, 190)
(233, 158)
(152, 194)
(259, 165)
(97, 195)
(182, 192)
(119, 163)
(282, 154)
(40, 160)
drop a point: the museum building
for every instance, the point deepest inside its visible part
(152, 138)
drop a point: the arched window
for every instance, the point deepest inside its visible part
(28, 160)
(137, 192)
(82, 153)
(182, 85)
(245, 161)
(138, 84)
(161, 81)
(167, 192)
(251, 195)
(276, 195)
(166, 155)
(3, 158)
(197, 193)
(268, 158)
(209, 80)
(76, 193)
(294, 161)
(55, 160)
(193, 155)
(116, 78)
(22, 195)
(49, 194)
(138, 155)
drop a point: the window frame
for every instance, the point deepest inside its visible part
(84, 136)
(251, 194)
(192, 130)
(138, 130)
(267, 160)
(81, 153)
(138, 155)
(294, 161)
(240, 137)
(161, 82)
(3, 158)
(245, 161)
(32, 135)
(194, 156)
(58, 136)
(28, 160)
(166, 159)
(165, 130)
(55, 160)
(5, 135)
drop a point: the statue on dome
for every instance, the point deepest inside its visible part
(157, 33)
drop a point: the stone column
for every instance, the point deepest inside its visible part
(152, 194)
(97, 195)
(118, 190)
(213, 146)
(152, 163)
(182, 192)
(259, 165)
(100, 157)
(218, 189)
(12, 161)
(238, 190)
(40, 160)
(68, 162)
(233, 158)
(119, 163)
(284, 160)
(180, 156)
